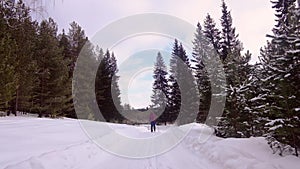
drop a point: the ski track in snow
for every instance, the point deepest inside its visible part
(63, 145)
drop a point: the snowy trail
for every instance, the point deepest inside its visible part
(30, 143)
(88, 155)
(93, 158)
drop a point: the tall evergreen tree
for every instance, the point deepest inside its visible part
(20, 28)
(72, 43)
(237, 73)
(64, 43)
(77, 40)
(115, 90)
(181, 73)
(253, 103)
(107, 90)
(84, 84)
(7, 72)
(209, 75)
(174, 100)
(7, 50)
(36, 65)
(53, 72)
(280, 61)
(212, 33)
(240, 118)
(160, 87)
(199, 55)
(229, 42)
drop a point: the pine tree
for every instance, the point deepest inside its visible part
(103, 87)
(65, 45)
(237, 69)
(160, 87)
(84, 84)
(190, 94)
(181, 75)
(107, 90)
(241, 92)
(209, 75)
(115, 91)
(37, 65)
(229, 42)
(212, 33)
(254, 116)
(201, 44)
(74, 42)
(77, 40)
(53, 73)
(280, 61)
(7, 74)
(22, 31)
(7, 50)
(174, 99)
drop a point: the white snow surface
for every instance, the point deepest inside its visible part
(34, 143)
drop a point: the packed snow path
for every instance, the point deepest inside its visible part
(32, 143)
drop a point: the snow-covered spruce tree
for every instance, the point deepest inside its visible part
(255, 112)
(256, 102)
(281, 70)
(232, 123)
(160, 87)
(247, 93)
(230, 53)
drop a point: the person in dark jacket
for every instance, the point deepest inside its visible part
(152, 120)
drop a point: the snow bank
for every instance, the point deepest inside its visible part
(241, 153)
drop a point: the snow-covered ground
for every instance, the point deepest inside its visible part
(33, 143)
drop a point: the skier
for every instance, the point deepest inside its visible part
(152, 119)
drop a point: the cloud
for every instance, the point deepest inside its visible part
(140, 90)
(139, 43)
(136, 77)
(253, 18)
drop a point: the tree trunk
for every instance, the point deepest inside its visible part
(294, 142)
(17, 101)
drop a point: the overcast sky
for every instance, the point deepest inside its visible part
(253, 19)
